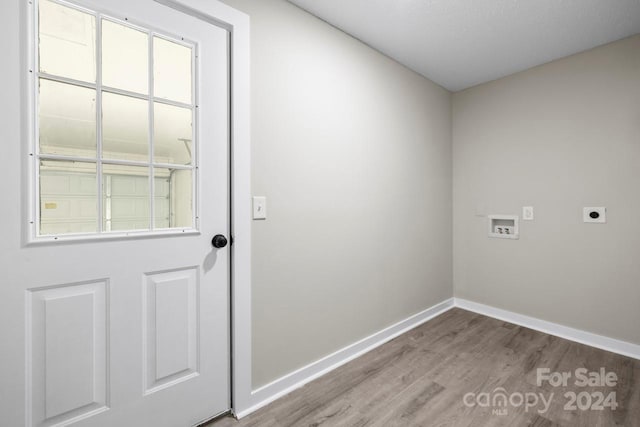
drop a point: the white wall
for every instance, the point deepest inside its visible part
(557, 137)
(353, 153)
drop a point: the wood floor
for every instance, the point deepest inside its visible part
(421, 379)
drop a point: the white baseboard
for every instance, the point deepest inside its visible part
(278, 388)
(290, 382)
(598, 341)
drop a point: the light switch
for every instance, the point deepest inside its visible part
(527, 213)
(259, 207)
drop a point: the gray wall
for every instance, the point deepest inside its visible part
(557, 137)
(353, 152)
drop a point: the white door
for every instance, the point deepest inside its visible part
(114, 304)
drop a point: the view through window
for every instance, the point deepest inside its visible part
(115, 149)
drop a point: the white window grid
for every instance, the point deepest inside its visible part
(34, 153)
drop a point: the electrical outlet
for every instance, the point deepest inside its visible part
(595, 215)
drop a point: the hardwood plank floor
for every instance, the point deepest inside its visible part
(422, 377)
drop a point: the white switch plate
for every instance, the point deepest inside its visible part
(259, 207)
(595, 214)
(527, 213)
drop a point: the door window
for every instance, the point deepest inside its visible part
(115, 146)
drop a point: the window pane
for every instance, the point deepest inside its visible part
(67, 118)
(173, 134)
(125, 127)
(162, 198)
(68, 197)
(171, 70)
(67, 40)
(125, 197)
(173, 198)
(125, 62)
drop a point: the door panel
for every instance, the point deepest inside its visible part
(171, 327)
(122, 330)
(68, 338)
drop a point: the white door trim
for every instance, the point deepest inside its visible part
(238, 25)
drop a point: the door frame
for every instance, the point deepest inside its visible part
(238, 24)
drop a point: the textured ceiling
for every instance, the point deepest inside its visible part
(462, 43)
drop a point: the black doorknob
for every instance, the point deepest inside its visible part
(219, 241)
